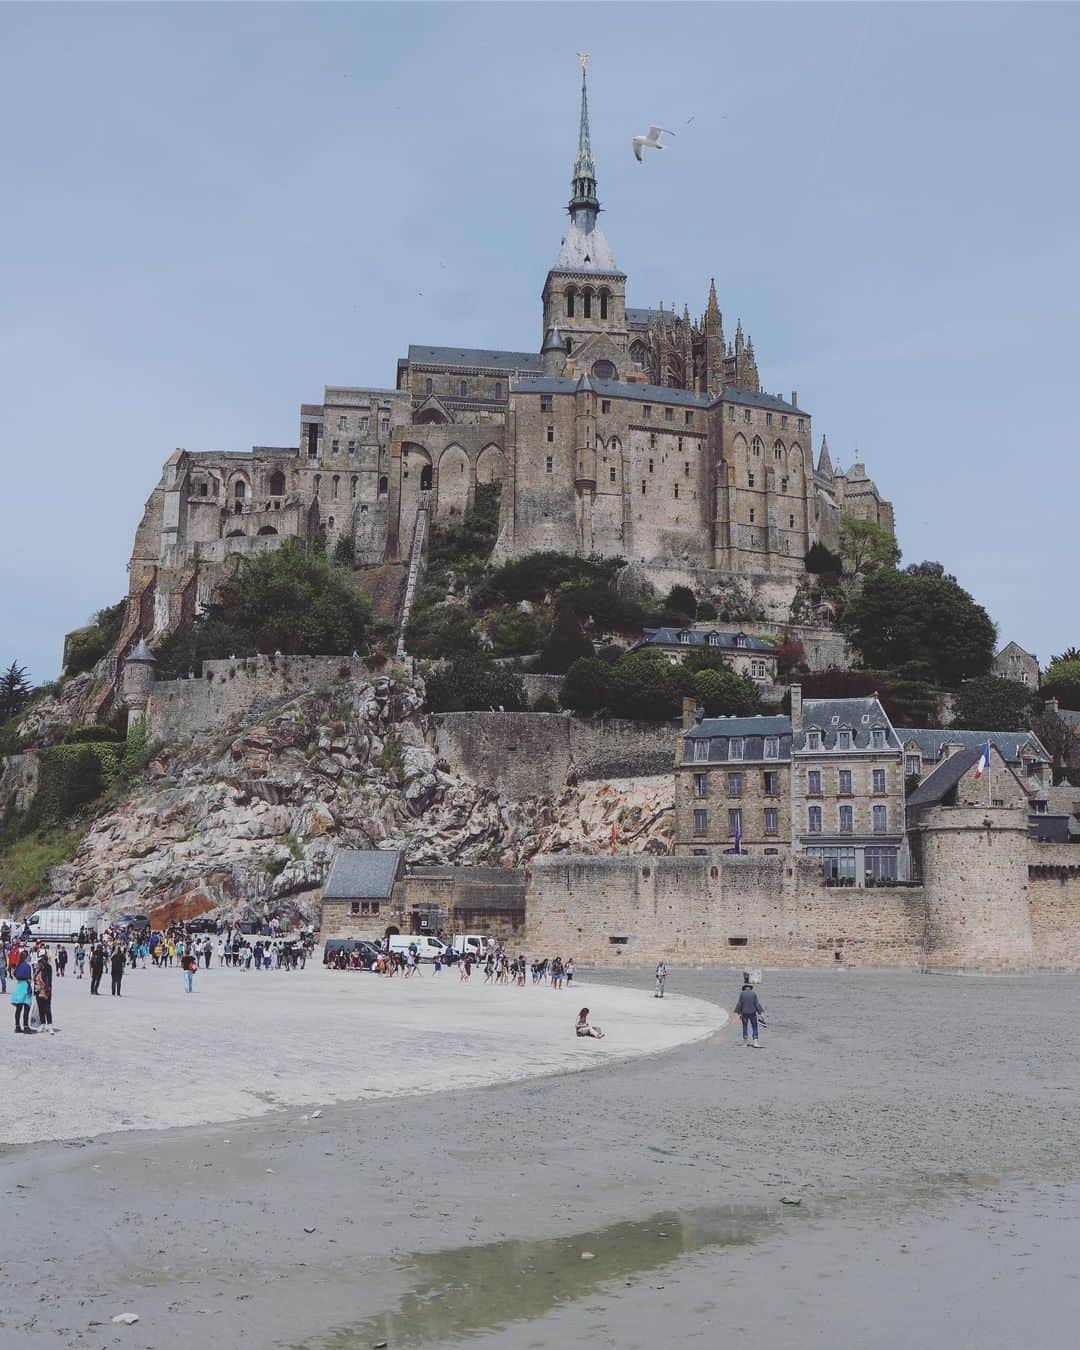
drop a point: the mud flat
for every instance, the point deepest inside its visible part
(927, 1125)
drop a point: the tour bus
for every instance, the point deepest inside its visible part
(426, 947)
(63, 925)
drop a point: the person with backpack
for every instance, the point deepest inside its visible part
(20, 995)
(748, 1007)
(189, 964)
(43, 986)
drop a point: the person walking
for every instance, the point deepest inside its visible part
(661, 976)
(20, 995)
(43, 983)
(748, 1007)
(61, 961)
(117, 969)
(97, 968)
(80, 961)
(190, 965)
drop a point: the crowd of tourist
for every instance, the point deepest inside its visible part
(497, 964)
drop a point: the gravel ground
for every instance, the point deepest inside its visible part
(927, 1124)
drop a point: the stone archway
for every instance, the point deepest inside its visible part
(490, 466)
(453, 484)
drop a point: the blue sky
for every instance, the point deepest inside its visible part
(211, 211)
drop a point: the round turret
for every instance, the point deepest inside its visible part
(140, 671)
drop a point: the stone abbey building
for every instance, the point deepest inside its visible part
(630, 432)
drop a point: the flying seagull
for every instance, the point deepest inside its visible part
(649, 142)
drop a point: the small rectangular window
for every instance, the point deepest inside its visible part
(879, 781)
(771, 783)
(688, 419)
(813, 740)
(375, 906)
(734, 820)
(749, 480)
(365, 423)
(813, 819)
(772, 820)
(352, 447)
(605, 405)
(731, 414)
(676, 489)
(813, 783)
(498, 389)
(545, 402)
(701, 821)
(650, 466)
(463, 388)
(746, 415)
(772, 747)
(783, 421)
(669, 414)
(734, 784)
(912, 764)
(847, 819)
(881, 819)
(342, 424)
(335, 446)
(768, 419)
(752, 515)
(551, 435)
(550, 464)
(701, 749)
(701, 785)
(878, 738)
(844, 782)
(643, 487)
(646, 412)
(354, 907)
(843, 740)
(611, 474)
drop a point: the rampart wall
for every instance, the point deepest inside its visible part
(710, 910)
(179, 708)
(1054, 901)
(536, 754)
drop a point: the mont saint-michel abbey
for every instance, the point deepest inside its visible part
(638, 433)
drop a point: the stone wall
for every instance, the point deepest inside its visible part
(536, 754)
(1054, 904)
(18, 781)
(179, 708)
(709, 911)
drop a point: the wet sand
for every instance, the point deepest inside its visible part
(928, 1124)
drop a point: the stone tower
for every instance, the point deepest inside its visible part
(140, 670)
(585, 292)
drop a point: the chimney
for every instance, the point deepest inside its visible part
(794, 398)
(1051, 706)
(796, 707)
(689, 713)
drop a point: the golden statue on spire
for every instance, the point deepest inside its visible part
(583, 57)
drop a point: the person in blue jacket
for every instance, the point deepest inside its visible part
(749, 1009)
(21, 995)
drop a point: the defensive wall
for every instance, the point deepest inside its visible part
(179, 708)
(537, 754)
(1054, 904)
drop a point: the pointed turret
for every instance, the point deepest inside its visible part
(824, 463)
(554, 351)
(712, 309)
(584, 182)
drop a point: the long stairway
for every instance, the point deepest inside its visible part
(416, 559)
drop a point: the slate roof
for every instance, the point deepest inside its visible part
(484, 357)
(830, 716)
(640, 393)
(1070, 716)
(729, 394)
(641, 317)
(740, 726)
(934, 787)
(718, 731)
(1007, 743)
(359, 873)
(700, 637)
(586, 251)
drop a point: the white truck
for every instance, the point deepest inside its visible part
(471, 944)
(426, 947)
(62, 925)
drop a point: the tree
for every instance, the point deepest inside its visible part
(14, 691)
(790, 655)
(344, 552)
(440, 631)
(722, 693)
(86, 646)
(514, 633)
(470, 684)
(897, 618)
(645, 686)
(706, 611)
(207, 638)
(586, 687)
(1062, 681)
(1069, 654)
(1061, 741)
(865, 545)
(823, 561)
(928, 569)
(992, 704)
(566, 644)
(681, 600)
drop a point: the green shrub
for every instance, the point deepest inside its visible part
(545, 704)
(441, 631)
(723, 693)
(25, 862)
(565, 645)
(586, 687)
(513, 633)
(470, 683)
(86, 647)
(84, 734)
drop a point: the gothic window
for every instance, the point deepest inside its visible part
(384, 486)
(352, 487)
(277, 484)
(757, 445)
(571, 296)
(778, 450)
(639, 353)
(604, 304)
(334, 488)
(428, 386)
(239, 489)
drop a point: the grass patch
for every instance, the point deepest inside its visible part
(24, 863)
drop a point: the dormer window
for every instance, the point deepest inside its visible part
(701, 750)
(843, 740)
(813, 740)
(740, 640)
(735, 747)
(714, 639)
(877, 736)
(684, 638)
(772, 747)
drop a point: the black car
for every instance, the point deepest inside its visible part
(201, 926)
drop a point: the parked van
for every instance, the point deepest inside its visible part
(470, 944)
(62, 925)
(426, 947)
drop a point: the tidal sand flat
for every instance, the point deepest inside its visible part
(927, 1125)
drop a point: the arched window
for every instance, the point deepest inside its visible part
(425, 478)
(778, 450)
(757, 445)
(318, 485)
(239, 489)
(330, 523)
(334, 487)
(586, 305)
(384, 486)
(352, 487)
(428, 386)
(639, 353)
(571, 295)
(603, 370)
(604, 297)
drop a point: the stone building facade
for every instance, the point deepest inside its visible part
(1014, 663)
(630, 432)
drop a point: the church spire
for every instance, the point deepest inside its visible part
(584, 180)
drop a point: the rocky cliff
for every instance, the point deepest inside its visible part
(249, 817)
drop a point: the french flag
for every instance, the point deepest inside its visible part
(983, 765)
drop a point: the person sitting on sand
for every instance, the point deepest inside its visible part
(583, 1027)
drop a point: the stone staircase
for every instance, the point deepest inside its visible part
(416, 561)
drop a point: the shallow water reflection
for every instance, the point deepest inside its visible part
(462, 1291)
